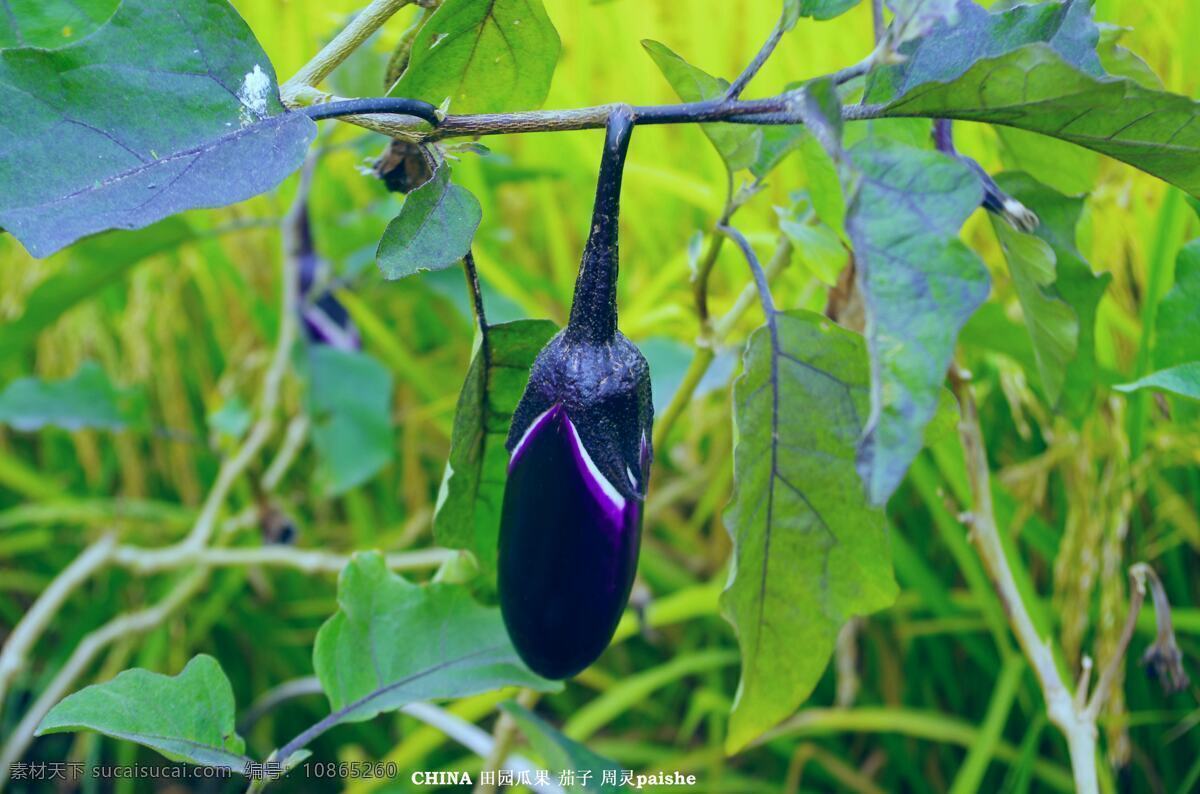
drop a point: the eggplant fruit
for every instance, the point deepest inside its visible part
(580, 451)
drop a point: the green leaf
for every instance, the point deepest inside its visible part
(1060, 313)
(393, 642)
(350, 399)
(91, 266)
(809, 550)
(1183, 380)
(85, 400)
(187, 717)
(51, 23)
(824, 185)
(823, 9)
(472, 492)
(1177, 327)
(559, 752)
(1051, 322)
(1120, 62)
(956, 44)
(487, 56)
(919, 284)
(1035, 89)
(433, 230)
(738, 144)
(818, 247)
(166, 107)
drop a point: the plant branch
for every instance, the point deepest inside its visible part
(1061, 707)
(35, 621)
(704, 356)
(369, 20)
(768, 47)
(774, 110)
(760, 276)
(120, 627)
(504, 734)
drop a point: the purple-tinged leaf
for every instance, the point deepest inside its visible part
(919, 283)
(166, 107)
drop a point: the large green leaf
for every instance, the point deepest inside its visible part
(472, 492)
(433, 230)
(350, 398)
(393, 642)
(91, 266)
(956, 43)
(1057, 289)
(85, 400)
(919, 283)
(1034, 89)
(738, 144)
(487, 56)
(559, 752)
(50, 23)
(188, 717)
(166, 107)
(809, 550)
(1182, 380)
(1177, 326)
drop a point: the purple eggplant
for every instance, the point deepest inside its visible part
(580, 450)
(325, 319)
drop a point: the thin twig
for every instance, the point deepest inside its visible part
(768, 47)
(503, 736)
(120, 627)
(343, 44)
(760, 276)
(877, 22)
(777, 110)
(1061, 708)
(703, 357)
(21, 641)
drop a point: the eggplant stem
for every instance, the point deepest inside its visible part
(594, 309)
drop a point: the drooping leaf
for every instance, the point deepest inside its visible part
(393, 642)
(559, 752)
(738, 144)
(1177, 326)
(824, 185)
(350, 399)
(433, 230)
(809, 550)
(51, 23)
(187, 717)
(1034, 89)
(1182, 380)
(1075, 287)
(85, 400)
(487, 56)
(166, 107)
(969, 33)
(468, 506)
(92, 266)
(1051, 322)
(919, 283)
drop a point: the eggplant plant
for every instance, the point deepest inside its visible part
(927, 361)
